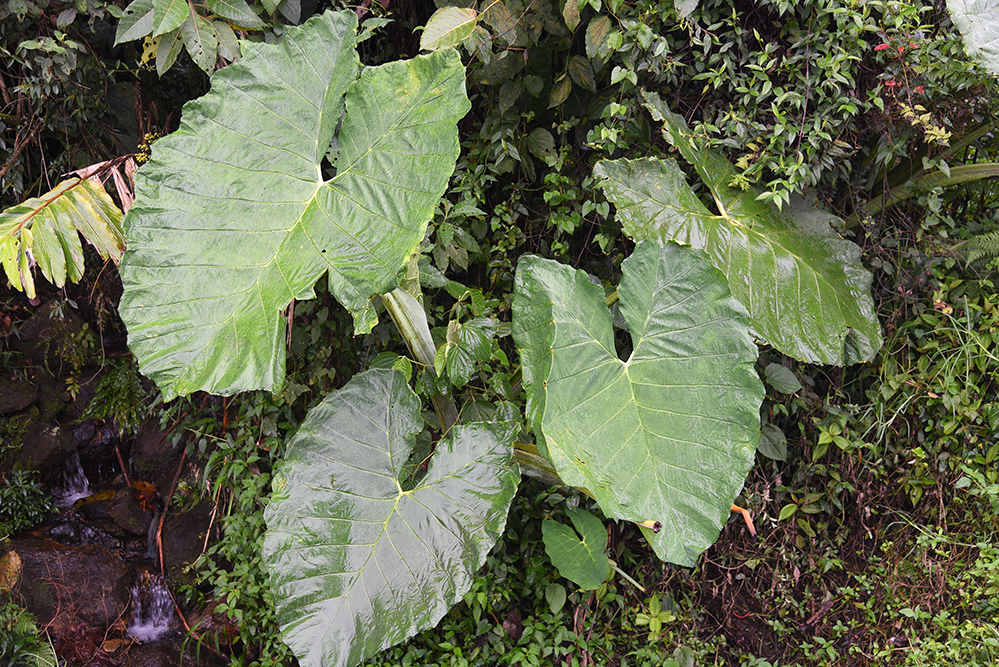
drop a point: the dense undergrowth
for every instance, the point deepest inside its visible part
(876, 496)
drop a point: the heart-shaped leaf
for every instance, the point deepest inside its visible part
(805, 288)
(234, 216)
(667, 435)
(578, 554)
(358, 563)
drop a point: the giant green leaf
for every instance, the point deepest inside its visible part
(667, 435)
(978, 21)
(234, 215)
(358, 563)
(805, 288)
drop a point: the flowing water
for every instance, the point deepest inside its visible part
(75, 484)
(152, 609)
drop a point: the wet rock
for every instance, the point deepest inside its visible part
(183, 541)
(16, 395)
(45, 446)
(67, 585)
(51, 334)
(96, 440)
(65, 533)
(153, 447)
(129, 513)
(51, 396)
(161, 653)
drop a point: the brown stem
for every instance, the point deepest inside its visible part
(121, 462)
(166, 504)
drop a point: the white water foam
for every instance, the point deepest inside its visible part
(152, 608)
(75, 484)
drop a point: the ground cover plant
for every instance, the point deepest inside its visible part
(579, 276)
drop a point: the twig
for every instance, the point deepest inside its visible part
(121, 462)
(166, 504)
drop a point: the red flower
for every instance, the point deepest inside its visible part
(881, 47)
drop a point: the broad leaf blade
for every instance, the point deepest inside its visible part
(358, 564)
(668, 435)
(233, 217)
(978, 21)
(578, 554)
(805, 288)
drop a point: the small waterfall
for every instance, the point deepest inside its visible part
(75, 484)
(152, 608)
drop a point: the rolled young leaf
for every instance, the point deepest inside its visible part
(358, 563)
(667, 435)
(234, 217)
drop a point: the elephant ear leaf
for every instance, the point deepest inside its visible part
(357, 563)
(291, 167)
(805, 288)
(666, 436)
(978, 21)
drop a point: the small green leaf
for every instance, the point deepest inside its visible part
(580, 558)
(787, 511)
(169, 15)
(596, 37)
(169, 48)
(236, 11)
(685, 7)
(503, 22)
(201, 41)
(136, 21)
(781, 378)
(555, 595)
(472, 342)
(570, 13)
(448, 27)
(581, 72)
(560, 91)
(773, 443)
(542, 145)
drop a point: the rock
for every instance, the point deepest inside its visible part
(129, 513)
(45, 446)
(16, 395)
(183, 541)
(162, 653)
(69, 585)
(152, 447)
(51, 396)
(52, 335)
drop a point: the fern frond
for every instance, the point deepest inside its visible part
(983, 246)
